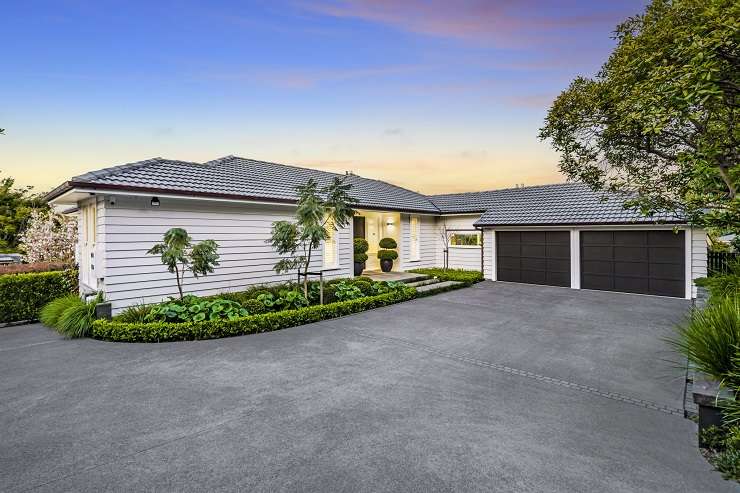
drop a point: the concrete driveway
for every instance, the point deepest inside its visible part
(499, 387)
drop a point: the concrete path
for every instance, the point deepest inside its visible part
(498, 387)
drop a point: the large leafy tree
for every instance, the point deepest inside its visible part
(179, 254)
(318, 210)
(660, 120)
(16, 205)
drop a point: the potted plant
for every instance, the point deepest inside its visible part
(361, 247)
(387, 254)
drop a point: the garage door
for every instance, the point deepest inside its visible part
(648, 262)
(535, 257)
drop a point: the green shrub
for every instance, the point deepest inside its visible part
(192, 308)
(287, 299)
(360, 257)
(387, 254)
(347, 291)
(381, 287)
(360, 245)
(388, 243)
(77, 319)
(23, 295)
(467, 277)
(710, 338)
(364, 286)
(211, 329)
(51, 312)
(254, 307)
(134, 313)
(723, 450)
(723, 285)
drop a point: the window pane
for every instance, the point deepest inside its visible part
(465, 239)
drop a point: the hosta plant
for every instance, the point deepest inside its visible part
(194, 309)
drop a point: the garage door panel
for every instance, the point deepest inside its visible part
(649, 262)
(631, 238)
(597, 238)
(558, 251)
(597, 252)
(533, 250)
(667, 271)
(535, 257)
(528, 237)
(632, 269)
(509, 262)
(666, 287)
(598, 281)
(596, 267)
(631, 254)
(632, 284)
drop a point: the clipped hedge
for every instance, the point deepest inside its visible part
(251, 324)
(23, 295)
(467, 277)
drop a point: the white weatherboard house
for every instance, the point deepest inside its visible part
(561, 235)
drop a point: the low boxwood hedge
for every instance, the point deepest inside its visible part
(251, 324)
(467, 277)
(23, 295)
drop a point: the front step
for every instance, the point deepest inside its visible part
(423, 282)
(437, 285)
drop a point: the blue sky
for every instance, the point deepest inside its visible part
(433, 95)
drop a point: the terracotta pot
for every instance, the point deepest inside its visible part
(386, 265)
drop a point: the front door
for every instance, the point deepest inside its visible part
(359, 227)
(89, 218)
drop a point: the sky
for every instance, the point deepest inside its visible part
(436, 95)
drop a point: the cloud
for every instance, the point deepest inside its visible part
(498, 21)
(393, 131)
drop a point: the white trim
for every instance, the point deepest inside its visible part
(494, 261)
(688, 259)
(575, 258)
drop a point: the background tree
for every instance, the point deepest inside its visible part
(180, 256)
(660, 120)
(16, 205)
(318, 210)
(49, 237)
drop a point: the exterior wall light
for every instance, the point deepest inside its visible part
(155, 201)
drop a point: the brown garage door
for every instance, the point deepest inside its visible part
(535, 257)
(648, 262)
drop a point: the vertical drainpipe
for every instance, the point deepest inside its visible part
(482, 249)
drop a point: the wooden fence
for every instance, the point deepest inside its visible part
(718, 262)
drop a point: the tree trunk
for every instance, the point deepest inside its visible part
(179, 282)
(305, 275)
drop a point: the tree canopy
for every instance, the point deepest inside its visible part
(660, 120)
(16, 205)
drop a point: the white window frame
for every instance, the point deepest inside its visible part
(331, 245)
(467, 233)
(414, 238)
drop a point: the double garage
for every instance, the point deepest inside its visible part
(645, 261)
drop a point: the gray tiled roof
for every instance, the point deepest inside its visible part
(231, 176)
(247, 178)
(564, 203)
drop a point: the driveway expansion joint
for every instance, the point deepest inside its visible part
(615, 396)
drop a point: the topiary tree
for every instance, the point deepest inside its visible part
(318, 210)
(387, 254)
(360, 254)
(180, 256)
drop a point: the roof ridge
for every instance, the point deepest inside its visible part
(294, 166)
(528, 187)
(100, 173)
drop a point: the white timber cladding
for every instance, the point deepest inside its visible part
(131, 225)
(698, 256)
(330, 258)
(427, 243)
(460, 257)
(695, 249)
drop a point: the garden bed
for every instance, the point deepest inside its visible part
(265, 322)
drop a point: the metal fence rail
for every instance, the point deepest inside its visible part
(718, 262)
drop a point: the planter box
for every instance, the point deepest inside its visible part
(708, 396)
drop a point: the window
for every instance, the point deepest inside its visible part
(465, 240)
(415, 254)
(330, 246)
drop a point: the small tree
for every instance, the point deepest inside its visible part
(49, 237)
(179, 256)
(318, 209)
